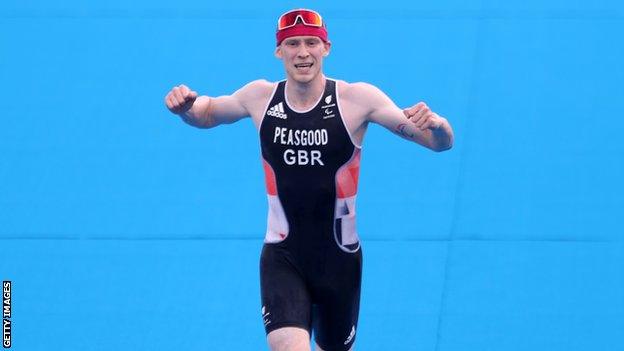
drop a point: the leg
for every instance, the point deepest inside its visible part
(335, 314)
(289, 339)
(286, 305)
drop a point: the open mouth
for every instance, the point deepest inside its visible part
(304, 65)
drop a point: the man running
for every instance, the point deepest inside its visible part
(311, 129)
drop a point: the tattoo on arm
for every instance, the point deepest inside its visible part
(401, 129)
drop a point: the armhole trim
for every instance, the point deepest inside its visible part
(266, 107)
(342, 116)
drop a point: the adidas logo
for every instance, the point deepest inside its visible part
(265, 315)
(277, 111)
(351, 335)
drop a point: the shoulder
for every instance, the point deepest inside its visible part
(357, 91)
(360, 93)
(258, 87)
(255, 92)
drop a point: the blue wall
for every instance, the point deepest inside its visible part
(533, 90)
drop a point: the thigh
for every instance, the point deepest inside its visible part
(337, 305)
(285, 298)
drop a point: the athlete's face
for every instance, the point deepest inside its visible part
(303, 57)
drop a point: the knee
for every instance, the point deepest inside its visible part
(289, 339)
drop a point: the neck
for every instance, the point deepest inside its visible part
(303, 95)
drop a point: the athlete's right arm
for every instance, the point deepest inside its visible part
(208, 112)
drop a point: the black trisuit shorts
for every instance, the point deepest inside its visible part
(321, 293)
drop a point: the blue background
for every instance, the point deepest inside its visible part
(123, 228)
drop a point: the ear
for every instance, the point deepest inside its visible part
(278, 52)
(327, 48)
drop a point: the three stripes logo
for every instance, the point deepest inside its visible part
(351, 335)
(277, 111)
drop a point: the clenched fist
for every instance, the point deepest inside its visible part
(422, 116)
(180, 99)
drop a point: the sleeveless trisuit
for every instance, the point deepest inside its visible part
(311, 262)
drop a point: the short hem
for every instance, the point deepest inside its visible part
(275, 326)
(336, 347)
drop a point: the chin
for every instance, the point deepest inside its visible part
(304, 78)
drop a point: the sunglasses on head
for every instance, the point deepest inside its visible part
(307, 17)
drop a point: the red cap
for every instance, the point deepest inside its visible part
(301, 29)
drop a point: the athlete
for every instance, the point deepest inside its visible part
(311, 130)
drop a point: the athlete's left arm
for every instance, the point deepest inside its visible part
(417, 123)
